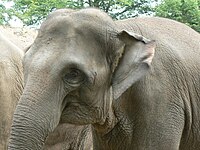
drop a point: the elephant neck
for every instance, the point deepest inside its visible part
(117, 127)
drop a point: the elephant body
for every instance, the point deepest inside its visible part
(136, 81)
(161, 111)
(11, 85)
(170, 91)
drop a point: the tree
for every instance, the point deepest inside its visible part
(185, 11)
(4, 14)
(2, 17)
(34, 11)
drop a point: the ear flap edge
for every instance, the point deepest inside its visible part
(134, 63)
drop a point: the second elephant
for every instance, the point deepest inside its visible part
(11, 85)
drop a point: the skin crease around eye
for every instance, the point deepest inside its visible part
(74, 76)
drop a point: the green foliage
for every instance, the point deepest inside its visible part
(2, 17)
(185, 11)
(31, 12)
(34, 11)
(4, 14)
(120, 9)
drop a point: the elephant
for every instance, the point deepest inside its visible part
(135, 81)
(11, 85)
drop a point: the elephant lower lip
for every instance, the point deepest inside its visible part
(67, 111)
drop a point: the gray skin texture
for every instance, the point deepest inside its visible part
(138, 94)
(69, 137)
(11, 85)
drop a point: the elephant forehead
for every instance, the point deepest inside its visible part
(84, 24)
(72, 39)
(67, 29)
(62, 53)
(71, 44)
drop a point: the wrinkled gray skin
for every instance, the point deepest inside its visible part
(69, 137)
(84, 68)
(11, 85)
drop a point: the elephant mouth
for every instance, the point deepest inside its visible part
(68, 102)
(73, 111)
(69, 113)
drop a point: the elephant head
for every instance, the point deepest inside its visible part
(78, 65)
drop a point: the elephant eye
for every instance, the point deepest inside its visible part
(74, 76)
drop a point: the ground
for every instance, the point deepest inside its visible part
(22, 37)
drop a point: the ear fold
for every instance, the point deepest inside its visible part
(134, 63)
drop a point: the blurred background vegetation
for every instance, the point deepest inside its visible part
(32, 12)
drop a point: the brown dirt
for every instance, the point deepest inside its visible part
(21, 37)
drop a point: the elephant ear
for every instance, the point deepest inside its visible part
(134, 62)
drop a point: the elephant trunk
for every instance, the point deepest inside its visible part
(34, 118)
